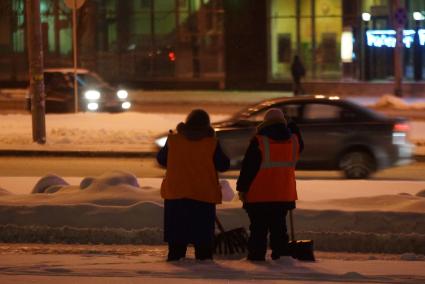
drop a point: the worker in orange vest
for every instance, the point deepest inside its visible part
(191, 187)
(267, 185)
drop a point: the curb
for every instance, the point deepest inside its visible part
(89, 154)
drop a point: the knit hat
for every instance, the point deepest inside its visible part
(198, 119)
(275, 114)
(196, 126)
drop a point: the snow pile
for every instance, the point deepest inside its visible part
(117, 207)
(49, 184)
(401, 202)
(4, 192)
(421, 193)
(89, 131)
(75, 235)
(393, 102)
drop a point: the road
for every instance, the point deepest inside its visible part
(147, 167)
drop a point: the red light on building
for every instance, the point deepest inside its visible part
(172, 56)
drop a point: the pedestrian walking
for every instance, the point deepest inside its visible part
(297, 72)
(267, 185)
(191, 188)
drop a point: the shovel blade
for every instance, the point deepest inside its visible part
(302, 250)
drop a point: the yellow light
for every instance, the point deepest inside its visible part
(319, 96)
(347, 46)
(334, 98)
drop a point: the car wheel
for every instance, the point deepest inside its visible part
(357, 165)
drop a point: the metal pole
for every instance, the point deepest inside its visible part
(313, 38)
(153, 40)
(298, 26)
(417, 54)
(398, 53)
(74, 41)
(366, 54)
(35, 58)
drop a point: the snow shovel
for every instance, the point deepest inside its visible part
(300, 249)
(230, 242)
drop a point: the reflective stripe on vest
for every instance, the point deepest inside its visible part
(267, 163)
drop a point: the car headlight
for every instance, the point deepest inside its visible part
(93, 106)
(126, 105)
(92, 95)
(122, 94)
(160, 142)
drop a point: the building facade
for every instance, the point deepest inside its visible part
(236, 43)
(320, 31)
(124, 40)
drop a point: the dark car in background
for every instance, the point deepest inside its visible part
(338, 134)
(94, 94)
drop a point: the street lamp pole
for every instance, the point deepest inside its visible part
(366, 17)
(398, 23)
(74, 42)
(417, 50)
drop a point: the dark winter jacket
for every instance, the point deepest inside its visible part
(297, 69)
(252, 160)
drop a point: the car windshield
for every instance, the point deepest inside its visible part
(89, 80)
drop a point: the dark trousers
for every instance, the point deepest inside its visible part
(188, 221)
(177, 251)
(297, 87)
(267, 218)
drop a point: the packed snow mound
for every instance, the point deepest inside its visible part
(390, 101)
(115, 188)
(421, 193)
(109, 179)
(397, 203)
(49, 184)
(4, 192)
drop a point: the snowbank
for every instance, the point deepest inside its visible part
(109, 132)
(89, 131)
(117, 207)
(393, 102)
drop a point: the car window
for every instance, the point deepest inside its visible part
(321, 113)
(291, 112)
(88, 80)
(258, 116)
(55, 80)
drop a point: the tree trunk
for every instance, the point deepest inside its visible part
(35, 59)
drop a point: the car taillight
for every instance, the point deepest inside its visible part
(400, 130)
(401, 127)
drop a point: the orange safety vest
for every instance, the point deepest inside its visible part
(191, 171)
(275, 181)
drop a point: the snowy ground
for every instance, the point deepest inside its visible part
(339, 215)
(119, 200)
(131, 264)
(111, 132)
(392, 210)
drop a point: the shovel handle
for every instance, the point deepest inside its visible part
(219, 225)
(291, 222)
